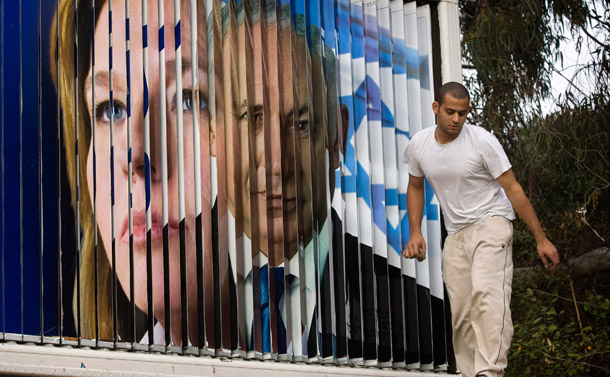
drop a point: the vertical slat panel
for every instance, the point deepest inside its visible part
(162, 96)
(132, 307)
(244, 197)
(233, 155)
(320, 165)
(21, 287)
(254, 92)
(30, 204)
(40, 177)
(60, 321)
(388, 119)
(348, 183)
(432, 206)
(258, 126)
(2, 65)
(332, 163)
(221, 263)
(401, 131)
(307, 266)
(290, 127)
(272, 113)
(115, 282)
(359, 87)
(208, 195)
(76, 173)
(237, 162)
(377, 199)
(94, 193)
(414, 103)
(335, 278)
(197, 98)
(180, 172)
(415, 123)
(146, 100)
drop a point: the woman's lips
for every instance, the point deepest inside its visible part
(139, 228)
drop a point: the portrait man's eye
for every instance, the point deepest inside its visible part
(258, 117)
(104, 111)
(304, 126)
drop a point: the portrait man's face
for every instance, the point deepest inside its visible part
(276, 149)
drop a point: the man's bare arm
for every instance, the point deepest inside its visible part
(522, 205)
(415, 209)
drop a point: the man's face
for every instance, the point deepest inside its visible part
(450, 117)
(280, 145)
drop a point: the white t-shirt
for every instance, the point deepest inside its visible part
(463, 174)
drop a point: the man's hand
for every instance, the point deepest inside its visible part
(416, 248)
(548, 254)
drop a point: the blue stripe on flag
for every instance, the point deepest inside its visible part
(391, 197)
(357, 31)
(144, 36)
(378, 206)
(112, 175)
(343, 26)
(399, 56)
(387, 118)
(364, 185)
(385, 48)
(147, 179)
(177, 36)
(432, 209)
(161, 38)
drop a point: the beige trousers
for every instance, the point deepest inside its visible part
(478, 274)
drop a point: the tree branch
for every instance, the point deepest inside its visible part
(588, 264)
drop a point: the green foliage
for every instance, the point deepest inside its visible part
(511, 48)
(507, 44)
(553, 339)
(563, 162)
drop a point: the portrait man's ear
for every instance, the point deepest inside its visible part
(212, 138)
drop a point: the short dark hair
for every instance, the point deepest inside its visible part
(456, 90)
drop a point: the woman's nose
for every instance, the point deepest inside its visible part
(142, 163)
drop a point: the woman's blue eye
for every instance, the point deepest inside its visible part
(104, 111)
(187, 101)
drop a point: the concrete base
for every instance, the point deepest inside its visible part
(49, 360)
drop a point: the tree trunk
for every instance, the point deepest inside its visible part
(587, 264)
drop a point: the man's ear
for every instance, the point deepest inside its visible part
(344, 127)
(435, 107)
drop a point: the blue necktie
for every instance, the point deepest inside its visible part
(278, 276)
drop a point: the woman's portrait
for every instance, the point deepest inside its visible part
(108, 92)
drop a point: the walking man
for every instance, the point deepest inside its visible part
(477, 191)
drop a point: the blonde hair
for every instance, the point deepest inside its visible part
(63, 45)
